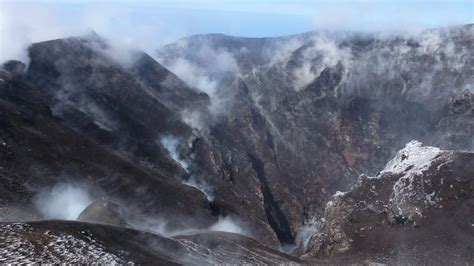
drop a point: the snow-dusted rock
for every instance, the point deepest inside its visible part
(413, 159)
(54, 242)
(22, 243)
(411, 192)
(418, 207)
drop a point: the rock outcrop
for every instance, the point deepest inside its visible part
(103, 212)
(418, 209)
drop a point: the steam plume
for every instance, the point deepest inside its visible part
(62, 201)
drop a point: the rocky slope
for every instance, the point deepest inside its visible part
(260, 132)
(39, 151)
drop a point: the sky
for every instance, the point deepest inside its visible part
(151, 24)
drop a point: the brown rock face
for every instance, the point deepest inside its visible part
(418, 209)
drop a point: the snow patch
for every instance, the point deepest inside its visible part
(339, 194)
(413, 159)
(409, 190)
(17, 246)
(329, 204)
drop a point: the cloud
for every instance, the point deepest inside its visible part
(23, 23)
(147, 25)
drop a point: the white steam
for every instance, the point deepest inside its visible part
(227, 224)
(391, 57)
(62, 201)
(205, 75)
(306, 232)
(195, 77)
(205, 188)
(171, 144)
(161, 225)
(323, 53)
(195, 119)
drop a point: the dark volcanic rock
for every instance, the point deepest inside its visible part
(125, 111)
(215, 247)
(14, 67)
(103, 212)
(37, 150)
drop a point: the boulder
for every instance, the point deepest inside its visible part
(103, 212)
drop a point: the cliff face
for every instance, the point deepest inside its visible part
(261, 130)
